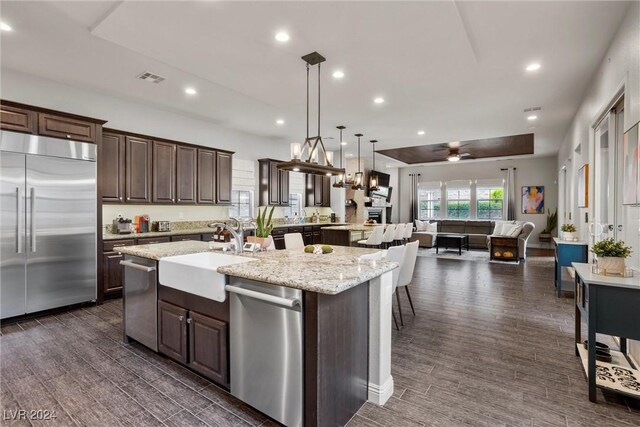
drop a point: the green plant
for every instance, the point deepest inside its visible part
(568, 228)
(611, 248)
(552, 222)
(264, 224)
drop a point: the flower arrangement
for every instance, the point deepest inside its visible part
(611, 248)
(568, 228)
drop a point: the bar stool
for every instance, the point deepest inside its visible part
(389, 235)
(375, 239)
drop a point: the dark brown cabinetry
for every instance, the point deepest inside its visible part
(318, 190)
(172, 331)
(111, 166)
(224, 169)
(111, 269)
(186, 174)
(184, 237)
(206, 176)
(138, 169)
(17, 119)
(208, 347)
(274, 184)
(164, 172)
(66, 127)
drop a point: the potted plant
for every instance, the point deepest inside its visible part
(569, 232)
(611, 255)
(263, 229)
(552, 223)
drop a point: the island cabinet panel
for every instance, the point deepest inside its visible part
(224, 169)
(138, 169)
(208, 347)
(111, 167)
(112, 272)
(336, 359)
(186, 174)
(172, 331)
(66, 127)
(17, 119)
(278, 237)
(164, 172)
(206, 177)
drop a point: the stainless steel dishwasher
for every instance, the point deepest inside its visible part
(140, 300)
(266, 348)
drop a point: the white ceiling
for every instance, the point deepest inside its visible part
(453, 69)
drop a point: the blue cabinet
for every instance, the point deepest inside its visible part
(566, 253)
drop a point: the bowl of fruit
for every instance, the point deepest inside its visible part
(318, 249)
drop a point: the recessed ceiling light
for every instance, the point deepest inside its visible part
(190, 91)
(420, 132)
(5, 27)
(378, 100)
(338, 74)
(531, 118)
(343, 143)
(282, 37)
(279, 122)
(533, 67)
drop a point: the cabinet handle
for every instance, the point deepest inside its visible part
(68, 136)
(181, 318)
(189, 320)
(120, 198)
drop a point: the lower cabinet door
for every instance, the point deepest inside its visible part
(172, 331)
(208, 347)
(112, 272)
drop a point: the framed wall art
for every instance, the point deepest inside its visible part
(631, 166)
(583, 186)
(533, 199)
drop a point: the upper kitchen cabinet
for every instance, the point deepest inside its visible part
(111, 167)
(224, 169)
(318, 190)
(274, 184)
(186, 174)
(138, 169)
(66, 127)
(17, 119)
(164, 172)
(206, 176)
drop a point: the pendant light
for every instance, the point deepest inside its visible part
(305, 158)
(373, 177)
(340, 178)
(359, 176)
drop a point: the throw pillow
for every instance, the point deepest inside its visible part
(515, 231)
(421, 225)
(499, 229)
(432, 227)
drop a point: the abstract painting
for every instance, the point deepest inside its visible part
(533, 199)
(631, 163)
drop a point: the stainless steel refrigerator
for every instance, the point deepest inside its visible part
(47, 223)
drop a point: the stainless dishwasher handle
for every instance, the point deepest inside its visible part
(137, 266)
(287, 302)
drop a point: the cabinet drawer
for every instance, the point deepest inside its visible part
(152, 240)
(109, 245)
(207, 237)
(67, 128)
(17, 119)
(185, 237)
(278, 231)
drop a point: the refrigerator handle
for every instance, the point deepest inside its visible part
(19, 225)
(33, 219)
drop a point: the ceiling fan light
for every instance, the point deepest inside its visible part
(453, 157)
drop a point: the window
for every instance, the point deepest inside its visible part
(458, 202)
(490, 202)
(241, 204)
(429, 202)
(295, 205)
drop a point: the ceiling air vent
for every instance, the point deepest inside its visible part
(151, 77)
(528, 110)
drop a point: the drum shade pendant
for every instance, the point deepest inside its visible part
(311, 157)
(359, 176)
(373, 178)
(340, 178)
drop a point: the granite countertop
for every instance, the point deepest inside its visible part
(354, 227)
(161, 250)
(326, 274)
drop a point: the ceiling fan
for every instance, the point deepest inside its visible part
(453, 149)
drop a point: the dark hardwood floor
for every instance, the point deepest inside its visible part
(490, 345)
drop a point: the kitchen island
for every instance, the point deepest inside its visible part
(330, 347)
(347, 235)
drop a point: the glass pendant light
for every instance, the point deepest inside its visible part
(373, 178)
(340, 177)
(359, 176)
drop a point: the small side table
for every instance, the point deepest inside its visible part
(500, 245)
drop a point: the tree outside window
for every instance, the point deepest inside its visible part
(458, 203)
(490, 203)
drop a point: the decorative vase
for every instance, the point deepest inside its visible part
(569, 235)
(611, 265)
(264, 242)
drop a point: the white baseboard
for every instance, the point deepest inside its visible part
(379, 394)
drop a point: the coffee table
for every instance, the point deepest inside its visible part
(452, 241)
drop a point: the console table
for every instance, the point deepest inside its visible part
(610, 305)
(567, 252)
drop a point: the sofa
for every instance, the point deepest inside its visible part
(477, 230)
